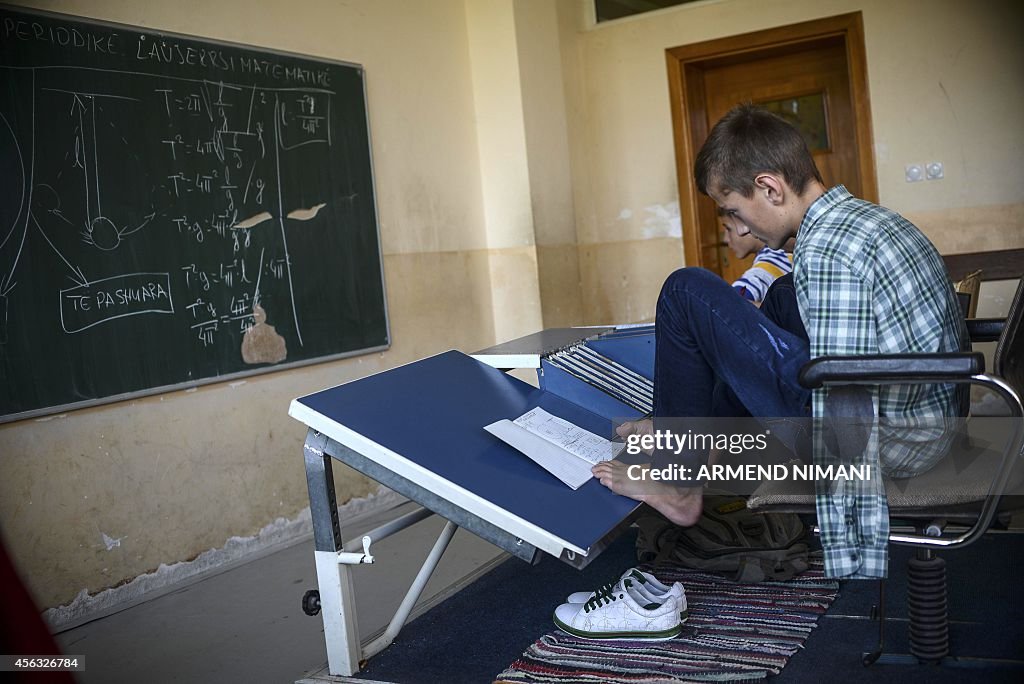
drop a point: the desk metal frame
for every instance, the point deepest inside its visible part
(344, 651)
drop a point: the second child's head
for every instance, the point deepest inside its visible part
(739, 238)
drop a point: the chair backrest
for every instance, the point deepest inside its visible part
(1008, 362)
(968, 291)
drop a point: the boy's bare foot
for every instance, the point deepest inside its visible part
(681, 505)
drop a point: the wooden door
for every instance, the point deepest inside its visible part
(811, 74)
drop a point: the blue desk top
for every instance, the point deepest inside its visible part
(432, 413)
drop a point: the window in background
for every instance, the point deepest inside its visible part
(807, 114)
(606, 10)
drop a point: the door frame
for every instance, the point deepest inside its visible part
(686, 66)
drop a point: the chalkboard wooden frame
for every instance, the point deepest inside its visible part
(181, 281)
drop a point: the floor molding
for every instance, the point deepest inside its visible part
(277, 535)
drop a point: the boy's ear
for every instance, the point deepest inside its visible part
(773, 187)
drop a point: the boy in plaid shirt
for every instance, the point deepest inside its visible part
(867, 281)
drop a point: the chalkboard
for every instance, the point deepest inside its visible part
(176, 211)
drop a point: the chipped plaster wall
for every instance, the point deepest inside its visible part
(93, 498)
(944, 80)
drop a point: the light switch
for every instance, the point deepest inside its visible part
(914, 173)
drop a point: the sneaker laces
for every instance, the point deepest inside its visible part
(605, 594)
(606, 589)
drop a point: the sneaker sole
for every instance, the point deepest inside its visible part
(662, 635)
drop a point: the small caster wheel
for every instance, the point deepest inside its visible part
(311, 602)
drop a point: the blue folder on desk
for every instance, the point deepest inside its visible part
(425, 422)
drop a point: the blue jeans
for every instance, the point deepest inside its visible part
(716, 355)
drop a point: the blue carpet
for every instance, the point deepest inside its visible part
(477, 633)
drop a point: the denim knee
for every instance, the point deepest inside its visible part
(688, 278)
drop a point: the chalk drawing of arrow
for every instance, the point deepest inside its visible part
(145, 219)
(76, 273)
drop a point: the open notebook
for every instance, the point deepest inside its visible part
(565, 450)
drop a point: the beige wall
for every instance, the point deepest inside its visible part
(525, 176)
(91, 498)
(945, 82)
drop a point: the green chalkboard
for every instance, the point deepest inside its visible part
(175, 211)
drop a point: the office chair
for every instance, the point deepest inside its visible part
(969, 486)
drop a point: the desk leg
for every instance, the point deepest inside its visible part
(334, 579)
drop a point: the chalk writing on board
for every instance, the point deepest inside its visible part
(217, 134)
(210, 201)
(132, 294)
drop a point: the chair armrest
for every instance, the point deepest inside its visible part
(967, 367)
(985, 329)
(891, 368)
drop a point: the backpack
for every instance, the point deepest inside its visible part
(729, 539)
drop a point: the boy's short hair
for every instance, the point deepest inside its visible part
(747, 141)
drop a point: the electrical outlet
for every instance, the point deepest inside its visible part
(914, 173)
(933, 171)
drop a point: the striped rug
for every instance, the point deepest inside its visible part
(735, 632)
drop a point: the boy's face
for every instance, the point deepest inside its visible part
(755, 215)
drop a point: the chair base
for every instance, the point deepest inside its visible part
(948, 661)
(929, 627)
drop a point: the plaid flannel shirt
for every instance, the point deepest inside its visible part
(869, 282)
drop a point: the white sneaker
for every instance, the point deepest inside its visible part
(622, 614)
(645, 583)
